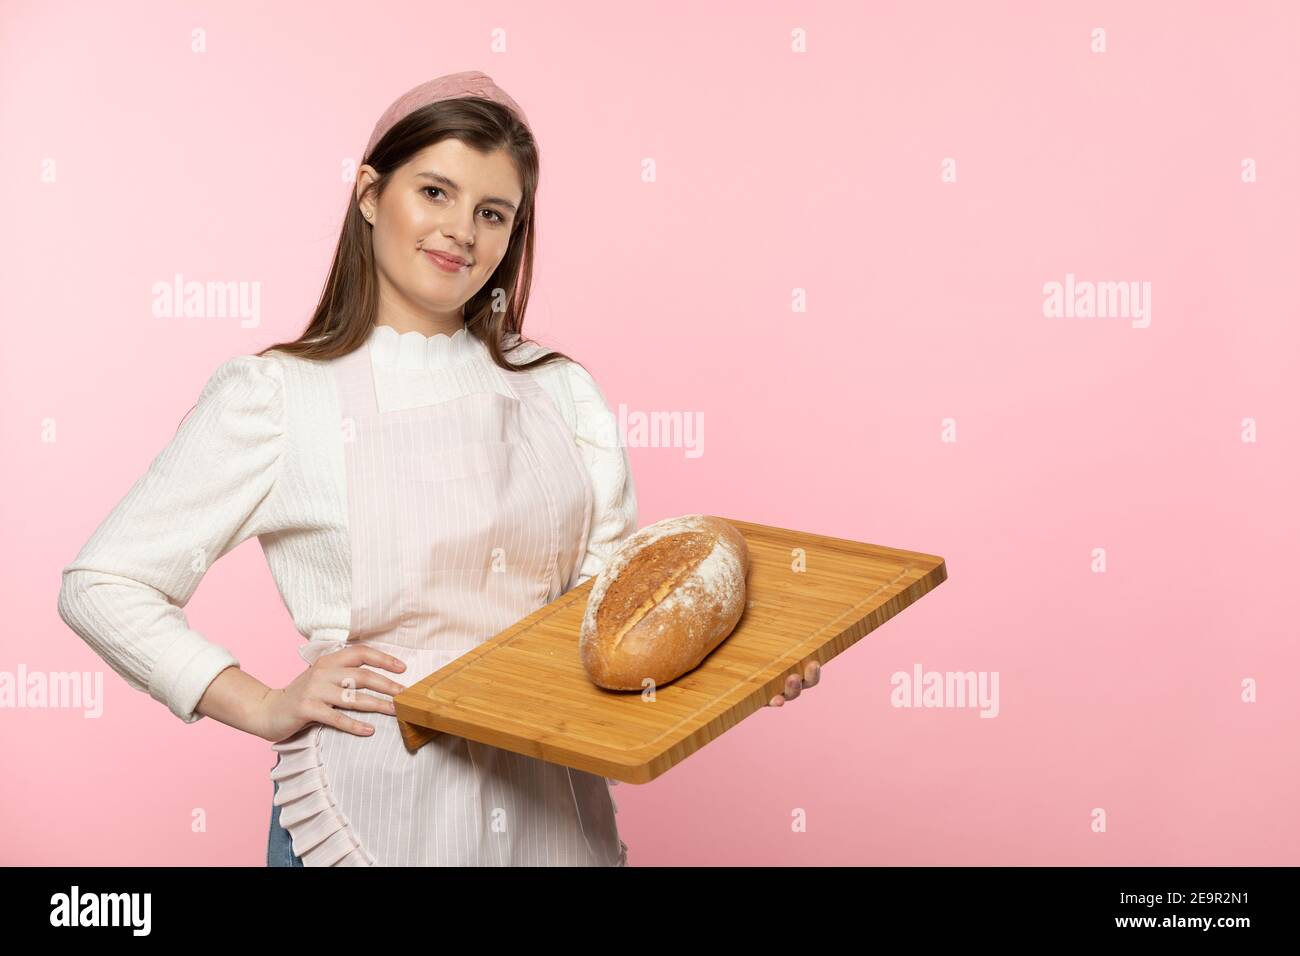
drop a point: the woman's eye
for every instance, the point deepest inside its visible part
(499, 218)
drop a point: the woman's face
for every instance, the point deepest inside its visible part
(451, 199)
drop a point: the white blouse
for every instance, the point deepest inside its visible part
(261, 455)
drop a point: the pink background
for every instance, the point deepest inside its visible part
(776, 171)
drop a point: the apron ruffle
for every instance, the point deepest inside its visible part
(320, 831)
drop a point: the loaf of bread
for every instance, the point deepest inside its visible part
(672, 593)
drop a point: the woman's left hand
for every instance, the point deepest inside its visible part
(794, 684)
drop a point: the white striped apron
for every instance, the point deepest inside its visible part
(464, 516)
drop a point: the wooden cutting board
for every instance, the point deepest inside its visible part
(809, 597)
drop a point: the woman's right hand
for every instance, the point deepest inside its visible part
(334, 681)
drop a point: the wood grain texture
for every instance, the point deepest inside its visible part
(525, 690)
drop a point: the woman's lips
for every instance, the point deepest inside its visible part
(444, 263)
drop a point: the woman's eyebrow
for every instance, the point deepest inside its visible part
(442, 180)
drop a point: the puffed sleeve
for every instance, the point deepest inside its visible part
(614, 506)
(210, 488)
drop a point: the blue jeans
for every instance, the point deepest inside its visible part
(279, 848)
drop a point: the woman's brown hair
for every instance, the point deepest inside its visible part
(349, 301)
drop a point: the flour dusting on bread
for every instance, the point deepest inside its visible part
(673, 591)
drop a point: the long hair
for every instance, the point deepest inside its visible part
(349, 301)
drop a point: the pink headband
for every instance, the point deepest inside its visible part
(467, 83)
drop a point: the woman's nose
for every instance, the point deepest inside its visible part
(460, 230)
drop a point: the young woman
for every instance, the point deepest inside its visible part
(420, 477)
